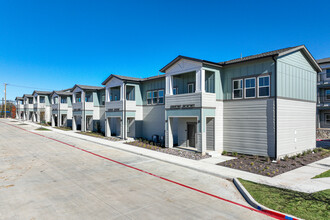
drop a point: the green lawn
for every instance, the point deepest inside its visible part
(302, 205)
(42, 129)
(324, 174)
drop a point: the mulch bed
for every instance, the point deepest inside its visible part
(173, 151)
(99, 135)
(264, 166)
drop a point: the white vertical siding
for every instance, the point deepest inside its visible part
(296, 126)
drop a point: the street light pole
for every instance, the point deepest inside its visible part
(5, 101)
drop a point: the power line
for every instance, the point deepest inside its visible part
(28, 87)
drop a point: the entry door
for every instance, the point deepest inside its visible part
(210, 134)
(191, 134)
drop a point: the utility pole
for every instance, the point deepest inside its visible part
(5, 100)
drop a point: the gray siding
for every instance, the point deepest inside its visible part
(249, 127)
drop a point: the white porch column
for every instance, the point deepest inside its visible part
(200, 78)
(170, 133)
(122, 91)
(74, 123)
(107, 127)
(59, 120)
(169, 85)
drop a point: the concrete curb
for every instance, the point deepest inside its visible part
(257, 205)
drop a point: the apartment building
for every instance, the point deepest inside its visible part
(263, 104)
(88, 108)
(41, 106)
(61, 108)
(28, 107)
(19, 107)
(323, 94)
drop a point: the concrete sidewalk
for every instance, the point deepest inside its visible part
(298, 179)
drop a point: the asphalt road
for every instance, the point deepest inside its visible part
(44, 179)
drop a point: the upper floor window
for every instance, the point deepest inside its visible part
(264, 88)
(154, 97)
(78, 97)
(250, 87)
(63, 100)
(327, 73)
(102, 99)
(327, 94)
(209, 82)
(327, 118)
(89, 97)
(130, 93)
(30, 101)
(161, 96)
(191, 87)
(42, 99)
(175, 90)
(238, 88)
(149, 97)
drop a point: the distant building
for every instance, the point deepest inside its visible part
(323, 94)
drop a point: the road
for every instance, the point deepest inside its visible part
(42, 178)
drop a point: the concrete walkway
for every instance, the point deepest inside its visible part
(298, 179)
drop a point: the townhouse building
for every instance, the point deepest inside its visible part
(263, 104)
(41, 106)
(88, 108)
(323, 94)
(61, 108)
(19, 107)
(28, 107)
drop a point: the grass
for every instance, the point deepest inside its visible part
(93, 134)
(64, 128)
(303, 205)
(322, 175)
(42, 129)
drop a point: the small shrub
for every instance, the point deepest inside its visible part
(304, 153)
(309, 151)
(293, 157)
(235, 154)
(268, 174)
(299, 155)
(277, 170)
(224, 152)
(268, 159)
(231, 165)
(286, 158)
(273, 172)
(267, 167)
(252, 163)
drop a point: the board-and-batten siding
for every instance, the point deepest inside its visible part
(296, 78)
(249, 127)
(296, 127)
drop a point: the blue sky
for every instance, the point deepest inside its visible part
(56, 44)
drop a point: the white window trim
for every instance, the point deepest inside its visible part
(259, 96)
(161, 97)
(193, 87)
(255, 88)
(237, 89)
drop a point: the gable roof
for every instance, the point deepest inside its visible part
(188, 58)
(257, 56)
(27, 96)
(61, 92)
(41, 92)
(131, 79)
(324, 60)
(85, 87)
(19, 98)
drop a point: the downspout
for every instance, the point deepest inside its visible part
(275, 104)
(59, 111)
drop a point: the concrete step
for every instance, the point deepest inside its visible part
(213, 153)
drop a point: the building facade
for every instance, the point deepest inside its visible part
(41, 107)
(61, 108)
(323, 94)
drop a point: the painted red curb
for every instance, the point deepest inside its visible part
(268, 213)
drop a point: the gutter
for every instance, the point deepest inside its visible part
(275, 105)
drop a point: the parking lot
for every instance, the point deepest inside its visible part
(42, 178)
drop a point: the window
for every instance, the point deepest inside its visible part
(63, 100)
(103, 99)
(116, 98)
(161, 96)
(327, 72)
(175, 91)
(209, 82)
(250, 88)
(89, 97)
(327, 118)
(130, 93)
(327, 94)
(191, 87)
(154, 97)
(149, 98)
(30, 101)
(78, 97)
(42, 99)
(238, 88)
(263, 86)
